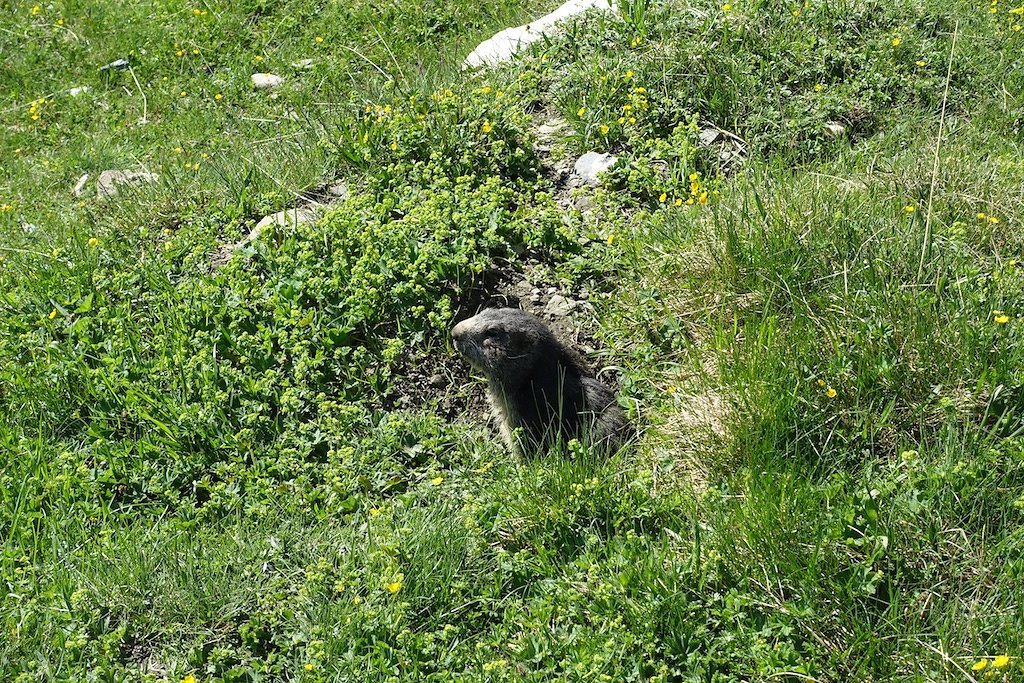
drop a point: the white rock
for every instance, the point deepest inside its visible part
(504, 44)
(78, 90)
(116, 65)
(266, 80)
(80, 185)
(834, 131)
(709, 136)
(109, 181)
(591, 164)
(339, 190)
(289, 218)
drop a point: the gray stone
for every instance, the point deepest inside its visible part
(268, 81)
(709, 136)
(109, 182)
(558, 306)
(591, 164)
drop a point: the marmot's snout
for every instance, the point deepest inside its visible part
(464, 336)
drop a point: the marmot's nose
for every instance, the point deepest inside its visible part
(459, 330)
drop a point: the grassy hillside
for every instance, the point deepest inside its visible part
(266, 463)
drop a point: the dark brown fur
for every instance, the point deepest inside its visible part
(540, 390)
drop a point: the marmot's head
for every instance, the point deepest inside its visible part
(501, 342)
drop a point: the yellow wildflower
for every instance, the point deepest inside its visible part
(319, 39)
(611, 239)
(486, 89)
(183, 93)
(581, 111)
(218, 97)
(308, 666)
(195, 51)
(1000, 661)
(703, 198)
(909, 208)
(1015, 27)
(693, 177)
(486, 466)
(189, 679)
(4, 208)
(394, 586)
(486, 127)
(93, 242)
(436, 481)
(604, 130)
(726, 7)
(993, 220)
(981, 216)
(1000, 317)
(197, 12)
(830, 392)
(818, 87)
(36, 10)
(181, 53)
(663, 197)
(896, 41)
(679, 202)
(919, 62)
(258, 58)
(53, 314)
(60, 22)
(629, 74)
(980, 665)
(821, 383)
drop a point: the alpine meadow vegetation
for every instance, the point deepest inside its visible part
(230, 455)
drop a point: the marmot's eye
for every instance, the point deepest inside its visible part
(490, 333)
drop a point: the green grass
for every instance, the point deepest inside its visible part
(241, 472)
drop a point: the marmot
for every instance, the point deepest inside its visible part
(540, 390)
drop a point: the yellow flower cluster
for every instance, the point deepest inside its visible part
(988, 218)
(829, 391)
(442, 95)
(34, 107)
(1000, 662)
